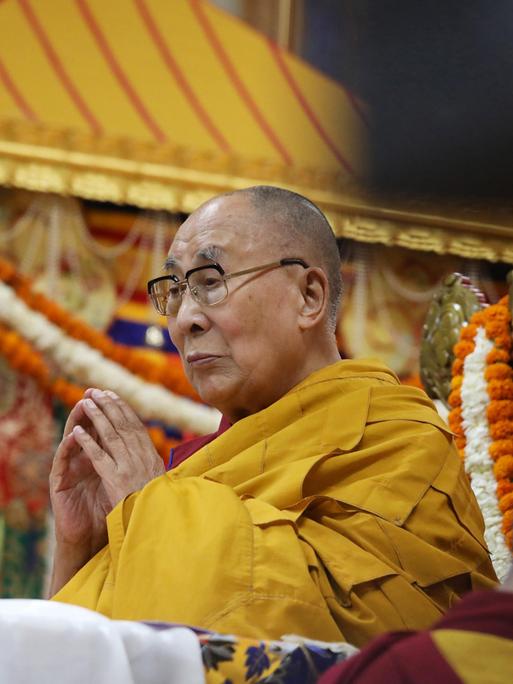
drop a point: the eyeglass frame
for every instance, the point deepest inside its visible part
(184, 282)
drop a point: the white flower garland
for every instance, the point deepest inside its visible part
(89, 367)
(478, 463)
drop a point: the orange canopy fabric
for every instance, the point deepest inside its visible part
(148, 101)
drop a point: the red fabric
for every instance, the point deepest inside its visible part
(488, 612)
(183, 451)
(412, 658)
(398, 657)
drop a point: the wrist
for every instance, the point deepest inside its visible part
(71, 557)
(67, 561)
(80, 551)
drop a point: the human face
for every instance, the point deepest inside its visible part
(243, 353)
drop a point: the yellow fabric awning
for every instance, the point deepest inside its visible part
(164, 103)
(176, 92)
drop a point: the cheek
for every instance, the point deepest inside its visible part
(236, 330)
(176, 337)
(233, 335)
(249, 335)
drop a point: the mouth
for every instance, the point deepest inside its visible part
(198, 359)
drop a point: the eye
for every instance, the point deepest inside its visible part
(211, 281)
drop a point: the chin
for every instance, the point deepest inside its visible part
(215, 394)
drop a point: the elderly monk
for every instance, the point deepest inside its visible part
(334, 506)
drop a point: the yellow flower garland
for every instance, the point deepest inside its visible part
(496, 320)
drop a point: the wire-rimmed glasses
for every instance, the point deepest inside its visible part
(207, 285)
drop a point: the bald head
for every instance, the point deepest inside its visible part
(298, 227)
(272, 327)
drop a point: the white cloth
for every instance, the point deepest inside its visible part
(50, 643)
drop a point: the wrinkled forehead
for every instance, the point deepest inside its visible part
(180, 259)
(223, 231)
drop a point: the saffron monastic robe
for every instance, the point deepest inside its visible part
(338, 512)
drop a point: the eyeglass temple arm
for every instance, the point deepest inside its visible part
(294, 260)
(272, 264)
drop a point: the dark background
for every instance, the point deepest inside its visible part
(438, 80)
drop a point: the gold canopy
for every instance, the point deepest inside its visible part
(164, 103)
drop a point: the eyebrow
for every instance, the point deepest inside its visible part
(209, 253)
(170, 263)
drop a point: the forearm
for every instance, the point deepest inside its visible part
(67, 561)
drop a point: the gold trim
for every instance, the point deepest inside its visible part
(164, 161)
(466, 244)
(161, 177)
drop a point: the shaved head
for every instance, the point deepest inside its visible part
(300, 228)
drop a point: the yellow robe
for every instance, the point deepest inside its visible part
(339, 512)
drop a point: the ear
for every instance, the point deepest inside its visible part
(315, 294)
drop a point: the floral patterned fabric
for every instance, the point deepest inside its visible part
(229, 659)
(27, 433)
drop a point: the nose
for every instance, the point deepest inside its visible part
(191, 318)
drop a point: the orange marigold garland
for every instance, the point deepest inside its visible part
(496, 321)
(22, 357)
(499, 375)
(169, 374)
(461, 350)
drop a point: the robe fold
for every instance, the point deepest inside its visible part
(339, 512)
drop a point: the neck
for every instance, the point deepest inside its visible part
(315, 357)
(323, 354)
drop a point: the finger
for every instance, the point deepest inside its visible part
(126, 423)
(88, 395)
(116, 485)
(143, 457)
(99, 458)
(119, 407)
(109, 438)
(146, 452)
(132, 419)
(129, 414)
(61, 459)
(110, 404)
(75, 416)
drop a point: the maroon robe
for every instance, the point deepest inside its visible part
(413, 657)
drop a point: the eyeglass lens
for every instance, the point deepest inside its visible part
(207, 286)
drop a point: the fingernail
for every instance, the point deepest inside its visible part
(78, 430)
(89, 403)
(97, 394)
(111, 394)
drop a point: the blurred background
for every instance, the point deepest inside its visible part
(118, 119)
